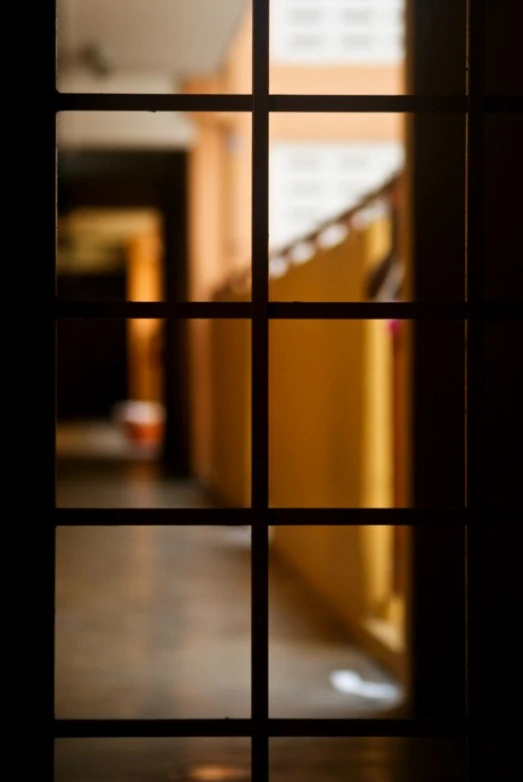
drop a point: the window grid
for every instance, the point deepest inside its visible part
(473, 312)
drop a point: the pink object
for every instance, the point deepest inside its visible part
(394, 327)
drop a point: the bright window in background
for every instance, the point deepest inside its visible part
(337, 32)
(314, 181)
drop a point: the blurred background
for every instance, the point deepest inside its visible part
(155, 621)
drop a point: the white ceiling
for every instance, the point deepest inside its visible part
(125, 130)
(178, 37)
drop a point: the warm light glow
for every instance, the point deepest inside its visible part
(216, 774)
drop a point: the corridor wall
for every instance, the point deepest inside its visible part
(144, 336)
(230, 391)
(330, 429)
(331, 434)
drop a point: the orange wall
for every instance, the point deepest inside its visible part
(206, 210)
(330, 386)
(206, 236)
(230, 474)
(220, 163)
(144, 283)
(348, 80)
(331, 382)
(219, 183)
(330, 443)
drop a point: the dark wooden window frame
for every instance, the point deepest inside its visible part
(444, 706)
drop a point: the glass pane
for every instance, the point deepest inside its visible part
(341, 423)
(164, 198)
(337, 406)
(164, 46)
(338, 46)
(342, 211)
(337, 621)
(152, 414)
(366, 759)
(140, 760)
(152, 622)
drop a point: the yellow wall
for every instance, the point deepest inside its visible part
(330, 382)
(339, 565)
(331, 435)
(330, 444)
(219, 184)
(230, 479)
(316, 413)
(206, 201)
(330, 386)
(144, 337)
(206, 237)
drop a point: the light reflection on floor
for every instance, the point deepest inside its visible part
(291, 760)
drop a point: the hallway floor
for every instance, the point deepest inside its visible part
(92, 483)
(154, 622)
(291, 760)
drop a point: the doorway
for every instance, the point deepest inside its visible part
(123, 180)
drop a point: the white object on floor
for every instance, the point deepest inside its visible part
(351, 683)
(139, 412)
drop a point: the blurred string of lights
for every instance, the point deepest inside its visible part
(376, 205)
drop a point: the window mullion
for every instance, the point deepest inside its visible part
(260, 392)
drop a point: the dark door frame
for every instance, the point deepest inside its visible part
(439, 35)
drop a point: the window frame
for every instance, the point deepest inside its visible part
(434, 531)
